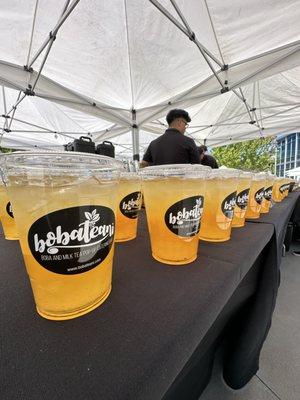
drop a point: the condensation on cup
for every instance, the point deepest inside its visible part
(64, 206)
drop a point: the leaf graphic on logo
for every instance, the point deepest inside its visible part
(88, 216)
(96, 218)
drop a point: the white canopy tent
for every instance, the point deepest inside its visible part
(113, 69)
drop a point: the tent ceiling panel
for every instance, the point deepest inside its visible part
(263, 25)
(111, 56)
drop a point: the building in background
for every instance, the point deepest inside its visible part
(287, 153)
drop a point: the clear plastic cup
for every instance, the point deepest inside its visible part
(174, 199)
(220, 198)
(64, 205)
(277, 194)
(266, 202)
(242, 199)
(6, 215)
(129, 205)
(286, 187)
(256, 195)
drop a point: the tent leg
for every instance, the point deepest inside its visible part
(135, 138)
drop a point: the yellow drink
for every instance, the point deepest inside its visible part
(174, 206)
(129, 204)
(266, 202)
(277, 193)
(7, 216)
(256, 195)
(218, 212)
(66, 224)
(242, 199)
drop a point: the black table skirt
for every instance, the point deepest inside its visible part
(146, 340)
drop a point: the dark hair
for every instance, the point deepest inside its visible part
(202, 149)
(177, 113)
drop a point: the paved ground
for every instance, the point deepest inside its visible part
(279, 373)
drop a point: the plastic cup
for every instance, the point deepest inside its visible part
(286, 186)
(277, 190)
(220, 198)
(292, 185)
(64, 204)
(256, 195)
(6, 215)
(174, 199)
(266, 202)
(129, 204)
(242, 199)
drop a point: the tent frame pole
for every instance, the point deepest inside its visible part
(186, 30)
(264, 68)
(52, 36)
(66, 12)
(135, 137)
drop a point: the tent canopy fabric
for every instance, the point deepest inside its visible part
(97, 67)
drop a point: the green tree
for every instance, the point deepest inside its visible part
(5, 150)
(255, 155)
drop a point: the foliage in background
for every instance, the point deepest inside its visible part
(4, 150)
(256, 155)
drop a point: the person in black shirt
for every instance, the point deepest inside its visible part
(207, 159)
(173, 147)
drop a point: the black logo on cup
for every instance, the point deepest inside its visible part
(242, 199)
(283, 188)
(183, 218)
(259, 195)
(72, 240)
(268, 193)
(9, 210)
(228, 205)
(131, 204)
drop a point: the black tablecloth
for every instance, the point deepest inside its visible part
(143, 337)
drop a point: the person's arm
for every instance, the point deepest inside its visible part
(194, 153)
(144, 164)
(147, 159)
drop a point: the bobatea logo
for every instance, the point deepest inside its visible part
(183, 218)
(9, 210)
(131, 204)
(228, 205)
(259, 195)
(72, 240)
(268, 193)
(242, 199)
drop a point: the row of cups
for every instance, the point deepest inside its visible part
(70, 208)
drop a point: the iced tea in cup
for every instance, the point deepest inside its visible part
(277, 193)
(266, 202)
(64, 205)
(256, 195)
(129, 204)
(220, 198)
(242, 199)
(174, 198)
(286, 183)
(7, 215)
